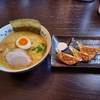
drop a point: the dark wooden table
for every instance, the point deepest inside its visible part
(60, 17)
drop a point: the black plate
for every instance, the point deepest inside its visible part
(89, 41)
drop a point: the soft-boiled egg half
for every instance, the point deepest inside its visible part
(23, 42)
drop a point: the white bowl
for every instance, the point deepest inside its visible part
(4, 31)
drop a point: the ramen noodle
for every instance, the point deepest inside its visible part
(37, 49)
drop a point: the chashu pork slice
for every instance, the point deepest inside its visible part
(18, 57)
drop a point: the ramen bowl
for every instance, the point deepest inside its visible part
(7, 29)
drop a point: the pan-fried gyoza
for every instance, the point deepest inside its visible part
(67, 58)
(85, 54)
(88, 50)
(82, 56)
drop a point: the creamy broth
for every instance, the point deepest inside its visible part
(37, 53)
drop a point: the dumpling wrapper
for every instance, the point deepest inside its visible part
(67, 58)
(88, 50)
(78, 54)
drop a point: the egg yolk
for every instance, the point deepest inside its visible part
(23, 41)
